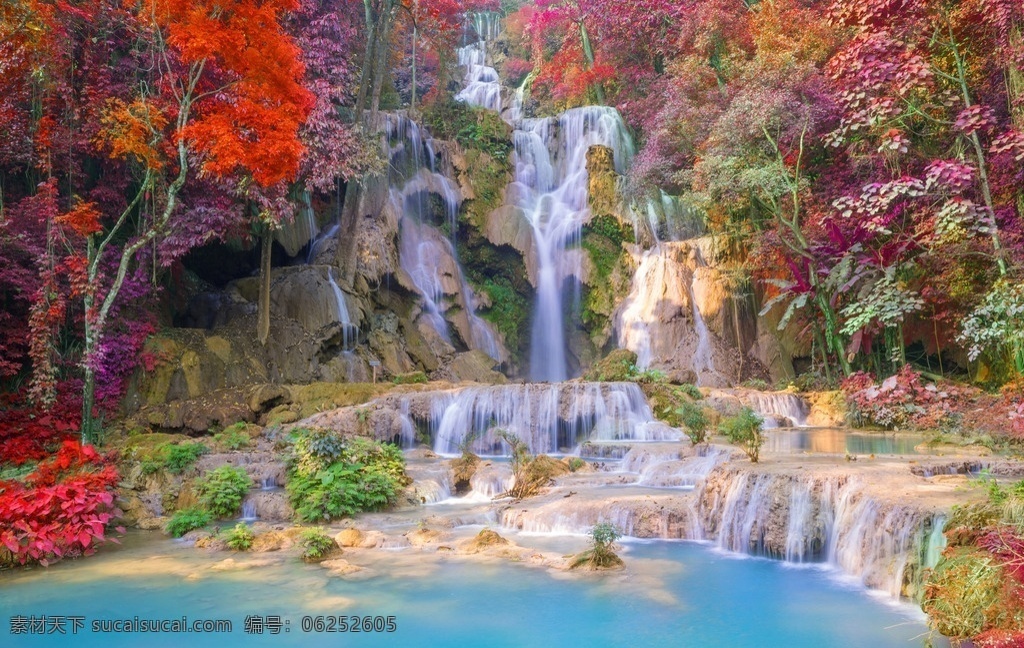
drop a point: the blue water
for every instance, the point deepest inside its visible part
(673, 594)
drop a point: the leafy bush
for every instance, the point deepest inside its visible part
(473, 128)
(233, 437)
(330, 477)
(241, 537)
(187, 520)
(411, 378)
(601, 554)
(575, 463)
(61, 509)
(745, 429)
(901, 401)
(962, 596)
(694, 421)
(995, 328)
(316, 544)
(221, 490)
(691, 390)
(182, 457)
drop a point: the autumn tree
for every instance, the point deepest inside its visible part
(225, 98)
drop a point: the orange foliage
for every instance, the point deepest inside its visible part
(250, 119)
(784, 32)
(132, 131)
(84, 219)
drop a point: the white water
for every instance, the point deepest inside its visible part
(482, 87)
(702, 361)
(551, 188)
(349, 331)
(249, 510)
(425, 254)
(778, 407)
(548, 418)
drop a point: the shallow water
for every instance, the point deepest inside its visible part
(837, 441)
(672, 594)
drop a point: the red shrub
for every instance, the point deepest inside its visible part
(62, 509)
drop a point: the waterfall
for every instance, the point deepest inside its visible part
(249, 510)
(348, 329)
(775, 406)
(702, 361)
(832, 519)
(482, 87)
(547, 417)
(551, 189)
(427, 256)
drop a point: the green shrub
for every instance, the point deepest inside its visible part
(411, 378)
(221, 490)
(694, 421)
(330, 478)
(233, 437)
(691, 390)
(187, 520)
(601, 554)
(745, 429)
(182, 457)
(316, 544)
(758, 384)
(575, 463)
(241, 537)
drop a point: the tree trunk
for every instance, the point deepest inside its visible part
(366, 77)
(588, 51)
(413, 102)
(381, 53)
(263, 321)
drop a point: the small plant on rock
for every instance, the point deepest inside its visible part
(241, 537)
(316, 544)
(221, 490)
(187, 520)
(601, 554)
(744, 429)
(695, 422)
(180, 458)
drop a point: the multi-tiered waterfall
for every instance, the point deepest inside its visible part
(426, 255)
(551, 190)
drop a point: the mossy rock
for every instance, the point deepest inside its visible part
(617, 366)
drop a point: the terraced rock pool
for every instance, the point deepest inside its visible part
(671, 594)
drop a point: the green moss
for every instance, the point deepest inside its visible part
(411, 378)
(509, 311)
(488, 178)
(473, 128)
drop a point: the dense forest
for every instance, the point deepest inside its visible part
(860, 166)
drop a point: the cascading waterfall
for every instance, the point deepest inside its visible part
(425, 254)
(548, 418)
(551, 188)
(835, 520)
(776, 407)
(482, 87)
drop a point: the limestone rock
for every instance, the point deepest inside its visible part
(349, 538)
(471, 366)
(602, 178)
(265, 397)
